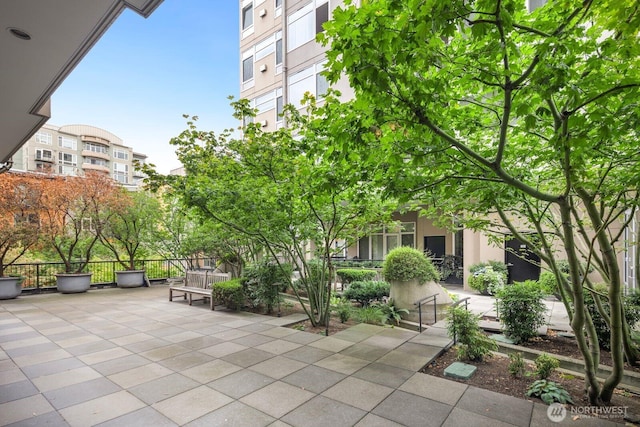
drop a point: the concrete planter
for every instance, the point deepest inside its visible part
(406, 293)
(130, 278)
(72, 283)
(10, 287)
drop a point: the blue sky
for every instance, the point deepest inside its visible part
(144, 74)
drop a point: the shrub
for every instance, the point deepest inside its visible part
(230, 293)
(545, 365)
(516, 364)
(462, 326)
(498, 266)
(404, 264)
(486, 280)
(372, 314)
(349, 275)
(263, 281)
(393, 313)
(548, 284)
(549, 392)
(342, 307)
(366, 292)
(630, 303)
(521, 310)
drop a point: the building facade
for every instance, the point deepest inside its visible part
(75, 149)
(280, 61)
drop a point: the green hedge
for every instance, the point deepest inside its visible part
(405, 263)
(349, 275)
(366, 292)
(230, 293)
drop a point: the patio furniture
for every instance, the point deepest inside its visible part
(198, 282)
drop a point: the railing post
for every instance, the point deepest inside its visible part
(435, 309)
(38, 277)
(420, 317)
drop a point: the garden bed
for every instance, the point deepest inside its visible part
(493, 374)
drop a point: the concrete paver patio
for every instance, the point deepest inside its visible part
(129, 357)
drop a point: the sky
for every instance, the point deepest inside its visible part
(144, 74)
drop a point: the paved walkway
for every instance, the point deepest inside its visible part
(129, 357)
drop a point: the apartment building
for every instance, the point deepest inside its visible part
(75, 149)
(280, 59)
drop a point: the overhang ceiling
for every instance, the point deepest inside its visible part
(62, 32)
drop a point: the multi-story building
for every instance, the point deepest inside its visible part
(75, 149)
(280, 59)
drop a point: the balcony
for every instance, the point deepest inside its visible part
(97, 168)
(96, 139)
(96, 154)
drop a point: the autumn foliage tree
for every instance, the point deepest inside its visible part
(72, 214)
(20, 196)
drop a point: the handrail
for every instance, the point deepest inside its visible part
(422, 301)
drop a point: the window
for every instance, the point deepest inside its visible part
(67, 170)
(43, 138)
(67, 159)
(279, 108)
(265, 102)
(279, 49)
(322, 85)
(247, 69)
(380, 242)
(264, 48)
(308, 80)
(120, 154)
(300, 27)
(44, 155)
(304, 24)
(247, 16)
(67, 142)
(322, 16)
(278, 8)
(94, 161)
(247, 72)
(26, 218)
(96, 148)
(121, 173)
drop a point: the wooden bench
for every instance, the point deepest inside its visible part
(198, 282)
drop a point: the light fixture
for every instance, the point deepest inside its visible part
(21, 34)
(263, 68)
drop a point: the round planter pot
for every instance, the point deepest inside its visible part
(10, 287)
(73, 283)
(405, 294)
(130, 278)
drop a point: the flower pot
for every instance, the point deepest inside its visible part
(10, 287)
(71, 283)
(130, 278)
(406, 293)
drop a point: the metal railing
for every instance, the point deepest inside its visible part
(423, 301)
(41, 276)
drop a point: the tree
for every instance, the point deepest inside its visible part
(487, 111)
(72, 215)
(131, 221)
(19, 223)
(275, 190)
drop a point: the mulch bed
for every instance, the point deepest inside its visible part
(493, 374)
